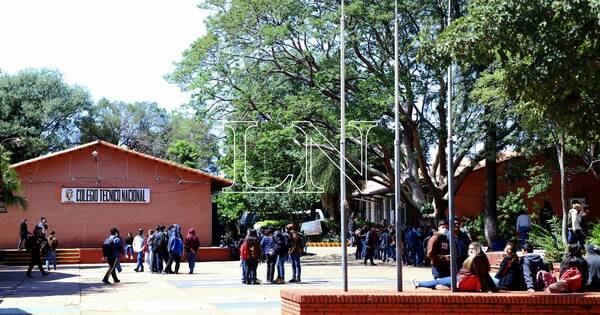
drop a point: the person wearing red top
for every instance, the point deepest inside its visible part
(191, 246)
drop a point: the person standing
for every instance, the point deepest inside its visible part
(523, 227)
(175, 246)
(35, 244)
(51, 254)
(575, 235)
(384, 244)
(250, 253)
(129, 246)
(138, 247)
(148, 249)
(192, 244)
(438, 251)
(43, 225)
(282, 243)
(295, 251)
(270, 251)
(23, 234)
(157, 244)
(371, 242)
(111, 249)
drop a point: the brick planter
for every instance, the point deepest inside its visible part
(331, 302)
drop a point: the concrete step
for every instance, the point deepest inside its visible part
(22, 257)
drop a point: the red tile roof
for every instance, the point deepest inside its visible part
(220, 181)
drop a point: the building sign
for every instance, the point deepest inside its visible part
(105, 195)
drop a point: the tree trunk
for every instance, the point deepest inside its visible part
(560, 150)
(490, 211)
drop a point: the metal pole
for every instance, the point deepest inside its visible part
(397, 187)
(452, 238)
(343, 153)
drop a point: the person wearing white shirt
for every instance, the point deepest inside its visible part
(138, 247)
(574, 224)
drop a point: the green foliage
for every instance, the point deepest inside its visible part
(276, 224)
(11, 184)
(540, 179)
(184, 152)
(549, 241)
(41, 109)
(330, 225)
(475, 228)
(594, 234)
(230, 206)
(509, 207)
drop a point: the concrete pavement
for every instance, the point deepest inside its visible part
(215, 288)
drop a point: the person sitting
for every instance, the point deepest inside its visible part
(593, 260)
(473, 277)
(510, 274)
(573, 260)
(531, 264)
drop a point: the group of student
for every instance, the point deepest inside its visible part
(160, 247)
(40, 244)
(274, 247)
(528, 272)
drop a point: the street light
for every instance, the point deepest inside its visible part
(16, 140)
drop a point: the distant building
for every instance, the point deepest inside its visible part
(375, 202)
(86, 190)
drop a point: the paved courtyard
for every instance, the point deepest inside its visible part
(215, 288)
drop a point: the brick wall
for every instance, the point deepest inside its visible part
(332, 302)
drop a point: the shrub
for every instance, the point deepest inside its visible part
(549, 241)
(594, 234)
(509, 207)
(474, 228)
(276, 224)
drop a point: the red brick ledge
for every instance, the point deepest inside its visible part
(436, 297)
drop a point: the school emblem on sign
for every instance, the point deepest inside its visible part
(69, 195)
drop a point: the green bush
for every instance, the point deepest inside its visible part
(594, 234)
(509, 207)
(330, 225)
(549, 241)
(474, 228)
(276, 224)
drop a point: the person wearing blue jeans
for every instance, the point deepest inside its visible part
(138, 247)
(432, 283)
(296, 250)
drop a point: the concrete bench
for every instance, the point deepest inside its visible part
(331, 302)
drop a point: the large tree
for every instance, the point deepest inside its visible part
(39, 108)
(278, 61)
(546, 58)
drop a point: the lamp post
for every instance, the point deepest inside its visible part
(343, 152)
(452, 237)
(397, 188)
(2, 203)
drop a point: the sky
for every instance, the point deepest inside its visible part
(120, 50)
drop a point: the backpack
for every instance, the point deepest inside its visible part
(573, 278)
(176, 246)
(468, 283)
(108, 247)
(543, 279)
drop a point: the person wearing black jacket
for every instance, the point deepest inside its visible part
(510, 274)
(573, 259)
(23, 234)
(35, 244)
(530, 264)
(593, 260)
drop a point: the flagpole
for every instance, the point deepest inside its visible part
(397, 190)
(343, 222)
(452, 237)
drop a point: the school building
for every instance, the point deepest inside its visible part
(86, 190)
